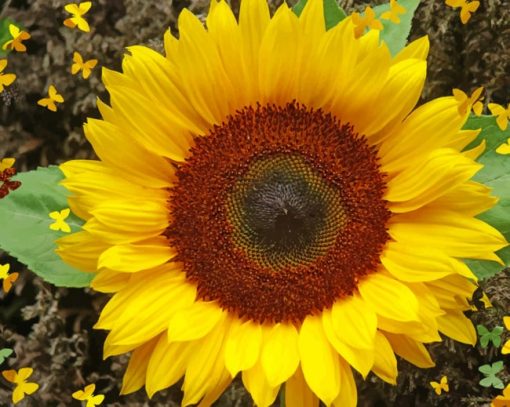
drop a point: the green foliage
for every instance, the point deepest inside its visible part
(25, 232)
(4, 354)
(395, 35)
(496, 175)
(487, 336)
(490, 372)
(4, 34)
(333, 13)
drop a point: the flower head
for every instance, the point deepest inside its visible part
(51, 101)
(502, 114)
(87, 394)
(276, 216)
(394, 12)
(8, 279)
(19, 378)
(60, 223)
(466, 8)
(77, 11)
(440, 386)
(17, 37)
(80, 65)
(368, 20)
(5, 78)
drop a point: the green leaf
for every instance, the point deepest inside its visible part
(487, 336)
(484, 341)
(485, 369)
(490, 371)
(496, 175)
(4, 354)
(5, 35)
(333, 13)
(395, 35)
(497, 367)
(25, 232)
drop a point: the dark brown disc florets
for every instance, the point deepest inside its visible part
(278, 212)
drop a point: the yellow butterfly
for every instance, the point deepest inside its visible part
(466, 8)
(53, 98)
(368, 20)
(8, 279)
(60, 223)
(467, 102)
(20, 379)
(17, 37)
(87, 394)
(5, 78)
(442, 385)
(503, 115)
(78, 10)
(86, 67)
(394, 11)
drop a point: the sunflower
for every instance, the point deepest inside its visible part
(267, 203)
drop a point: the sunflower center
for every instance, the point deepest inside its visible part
(283, 212)
(278, 213)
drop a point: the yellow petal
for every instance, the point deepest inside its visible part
(133, 160)
(167, 363)
(389, 298)
(242, 346)
(361, 359)
(297, 392)
(205, 366)
(132, 258)
(355, 322)
(261, 391)
(81, 250)
(280, 354)
(134, 378)
(416, 49)
(319, 360)
(428, 180)
(439, 228)
(385, 363)
(126, 221)
(109, 281)
(457, 326)
(194, 321)
(412, 351)
(348, 396)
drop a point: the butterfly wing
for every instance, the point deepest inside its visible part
(84, 7)
(78, 63)
(23, 374)
(69, 22)
(79, 395)
(29, 388)
(82, 24)
(95, 401)
(14, 30)
(9, 375)
(72, 8)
